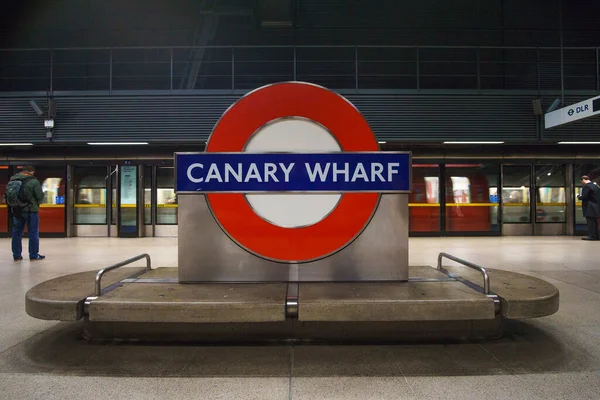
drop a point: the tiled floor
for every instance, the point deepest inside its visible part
(556, 357)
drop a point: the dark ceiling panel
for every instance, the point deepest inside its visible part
(447, 14)
(532, 15)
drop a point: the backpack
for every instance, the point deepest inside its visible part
(15, 195)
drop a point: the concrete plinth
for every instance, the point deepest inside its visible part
(151, 305)
(295, 331)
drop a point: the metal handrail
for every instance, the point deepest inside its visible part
(98, 282)
(486, 278)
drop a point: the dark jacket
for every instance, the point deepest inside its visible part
(33, 189)
(590, 199)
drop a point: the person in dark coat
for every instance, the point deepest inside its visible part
(590, 205)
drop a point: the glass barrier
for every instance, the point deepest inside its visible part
(551, 204)
(516, 198)
(472, 198)
(52, 208)
(593, 171)
(89, 184)
(166, 199)
(424, 201)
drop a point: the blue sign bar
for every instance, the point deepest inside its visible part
(386, 172)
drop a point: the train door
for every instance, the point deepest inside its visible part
(471, 201)
(160, 200)
(424, 201)
(579, 226)
(455, 199)
(516, 200)
(52, 209)
(550, 199)
(4, 224)
(165, 212)
(534, 199)
(91, 200)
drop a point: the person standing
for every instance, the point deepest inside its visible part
(590, 199)
(23, 195)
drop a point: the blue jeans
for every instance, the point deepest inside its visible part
(32, 219)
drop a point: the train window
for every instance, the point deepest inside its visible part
(461, 189)
(432, 190)
(89, 185)
(551, 203)
(50, 187)
(166, 199)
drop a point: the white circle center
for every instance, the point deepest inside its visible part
(292, 135)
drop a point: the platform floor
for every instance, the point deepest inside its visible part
(556, 357)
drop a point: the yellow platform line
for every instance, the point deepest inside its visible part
(123, 206)
(488, 204)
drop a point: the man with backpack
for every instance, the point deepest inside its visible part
(590, 205)
(23, 195)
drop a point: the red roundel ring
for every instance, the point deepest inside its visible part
(232, 211)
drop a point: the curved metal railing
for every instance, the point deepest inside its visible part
(98, 282)
(486, 278)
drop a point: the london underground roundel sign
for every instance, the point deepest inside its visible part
(292, 172)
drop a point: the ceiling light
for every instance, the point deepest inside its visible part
(578, 142)
(473, 142)
(382, 142)
(116, 143)
(16, 144)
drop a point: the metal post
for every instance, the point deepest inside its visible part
(539, 84)
(140, 206)
(597, 69)
(442, 197)
(562, 55)
(418, 72)
(478, 70)
(539, 128)
(356, 67)
(154, 199)
(500, 200)
(69, 202)
(171, 70)
(295, 64)
(109, 201)
(232, 68)
(571, 209)
(110, 71)
(562, 75)
(51, 70)
(533, 198)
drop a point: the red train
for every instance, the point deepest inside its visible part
(468, 205)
